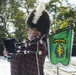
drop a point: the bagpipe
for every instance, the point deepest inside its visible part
(13, 45)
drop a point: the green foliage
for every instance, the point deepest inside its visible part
(12, 15)
(62, 15)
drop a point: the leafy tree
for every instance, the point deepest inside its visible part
(11, 15)
(62, 15)
(2, 24)
(12, 11)
(14, 16)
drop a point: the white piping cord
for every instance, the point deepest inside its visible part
(37, 58)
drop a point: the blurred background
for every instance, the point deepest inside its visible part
(13, 14)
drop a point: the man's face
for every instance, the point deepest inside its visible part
(32, 33)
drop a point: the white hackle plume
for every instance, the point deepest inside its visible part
(38, 13)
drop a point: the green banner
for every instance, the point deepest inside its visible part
(60, 45)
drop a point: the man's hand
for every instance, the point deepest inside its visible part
(5, 53)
